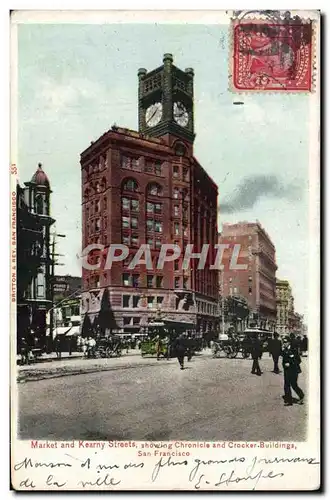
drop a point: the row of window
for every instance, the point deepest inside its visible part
(153, 189)
(133, 280)
(207, 308)
(94, 226)
(134, 301)
(140, 164)
(95, 207)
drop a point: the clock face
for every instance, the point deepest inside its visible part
(154, 114)
(180, 114)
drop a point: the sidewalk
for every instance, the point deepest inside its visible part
(52, 367)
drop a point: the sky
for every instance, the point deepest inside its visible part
(75, 81)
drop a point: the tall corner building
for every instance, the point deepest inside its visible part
(257, 283)
(146, 187)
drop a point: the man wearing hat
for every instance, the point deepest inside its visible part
(291, 368)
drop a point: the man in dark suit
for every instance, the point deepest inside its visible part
(291, 367)
(179, 348)
(275, 349)
(256, 352)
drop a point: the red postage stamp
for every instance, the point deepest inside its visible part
(272, 57)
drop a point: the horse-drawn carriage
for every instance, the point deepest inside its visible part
(107, 347)
(232, 345)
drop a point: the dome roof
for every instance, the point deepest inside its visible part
(40, 178)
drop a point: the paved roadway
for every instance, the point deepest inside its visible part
(212, 399)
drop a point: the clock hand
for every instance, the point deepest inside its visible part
(151, 117)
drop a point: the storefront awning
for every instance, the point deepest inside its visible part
(73, 332)
(61, 330)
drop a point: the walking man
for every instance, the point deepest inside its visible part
(256, 351)
(291, 367)
(180, 350)
(275, 349)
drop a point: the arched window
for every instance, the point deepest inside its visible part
(130, 185)
(39, 204)
(180, 149)
(154, 189)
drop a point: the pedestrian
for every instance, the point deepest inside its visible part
(291, 367)
(58, 346)
(159, 348)
(275, 349)
(25, 352)
(256, 351)
(179, 349)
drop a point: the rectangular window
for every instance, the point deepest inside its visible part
(150, 302)
(159, 281)
(127, 320)
(125, 222)
(150, 281)
(134, 223)
(185, 283)
(136, 278)
(185, 230)
(250, 278)
(160, 300)
(175, 171)
(136, 321)
(126, 279)
(134, 241)
(176, 193)
(125, 203)
(126, 300)
(135, 164)
(176, 228)
(136, 299)
(176, 265)
(158, 208)
(158, 244)
(158, 167)
(185, 173)
(126, 240)
(135, 205)
(176, 282)
(97, 206)
(235, 289)
(148, 166)
(97, 225)
(250, 289)
(150, 225)
(150, 208)
(176, 210)
(150, 242)
(158, 227)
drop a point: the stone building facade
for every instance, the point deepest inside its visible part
(286, 318)
(146, 187)
(34, 260)
(257, 281)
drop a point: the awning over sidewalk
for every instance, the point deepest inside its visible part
(73, 332)
(61, 330)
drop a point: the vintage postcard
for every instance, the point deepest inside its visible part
(165, 250)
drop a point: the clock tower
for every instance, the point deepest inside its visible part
(166, 98)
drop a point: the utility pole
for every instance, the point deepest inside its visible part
(52, 278)
(222, 299)
(222, 304)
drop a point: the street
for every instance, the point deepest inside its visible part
(211, 400)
